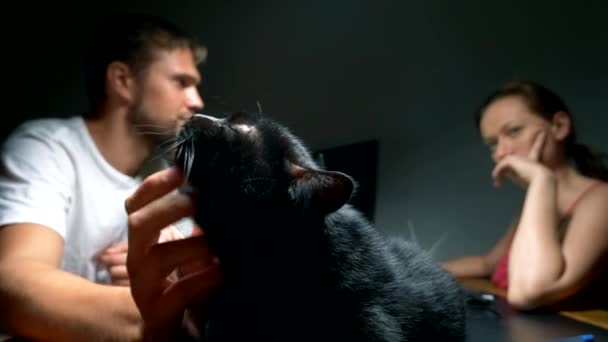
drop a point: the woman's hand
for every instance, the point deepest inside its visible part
(522, 170)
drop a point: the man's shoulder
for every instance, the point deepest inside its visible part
(49, 127)
(45, 132)
(43, 137)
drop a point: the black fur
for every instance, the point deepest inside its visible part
(299, 263)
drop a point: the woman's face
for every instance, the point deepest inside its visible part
(509, 127)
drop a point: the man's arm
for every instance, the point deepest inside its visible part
(42, 302)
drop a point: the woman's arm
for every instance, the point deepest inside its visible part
(544, 271)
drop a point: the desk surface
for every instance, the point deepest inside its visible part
(500, 322)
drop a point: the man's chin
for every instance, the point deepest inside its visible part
(182, 121)
(180, 124)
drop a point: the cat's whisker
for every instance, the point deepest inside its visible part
(163, 152)
(189, 159)
(177, 141)
(169, 146)
(185, 152)
(158, 155)
(413, 236)
(153, 133)
(151, 126)
(436, 244)
(172, 145)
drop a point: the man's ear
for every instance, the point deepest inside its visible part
(120, 81)
(319, 191)
(561, 125)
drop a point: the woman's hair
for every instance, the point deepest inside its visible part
(545, 103)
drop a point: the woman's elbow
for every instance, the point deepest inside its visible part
(531, 296)
(535, 297)
(522, 300)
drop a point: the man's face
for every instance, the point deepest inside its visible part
(166, 95)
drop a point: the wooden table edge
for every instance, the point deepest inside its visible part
(598, 318)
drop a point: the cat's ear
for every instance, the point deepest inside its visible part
(318, 190)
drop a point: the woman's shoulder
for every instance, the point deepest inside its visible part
(592, 204)
(597, 191)
(592, 191)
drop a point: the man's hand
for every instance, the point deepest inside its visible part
(115, 256)
(115, 259)
(160, 298)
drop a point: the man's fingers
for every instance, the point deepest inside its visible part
(119, 272)
(146, 224)
(113, 258)
(196, 230)
(161, 213)
(117, 248)
(167, 312)
(154, 186)
(121, 282)
(161, 260)
(197, 288)
(169, 234)
(166, 257)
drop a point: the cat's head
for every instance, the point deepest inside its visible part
(247, 160)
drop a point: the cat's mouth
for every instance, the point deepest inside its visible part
(196, 127)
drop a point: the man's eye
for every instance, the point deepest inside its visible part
(184, 82)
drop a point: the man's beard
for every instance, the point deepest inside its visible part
(155, 133)
(160, 138)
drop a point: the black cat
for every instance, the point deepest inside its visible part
(299, 263)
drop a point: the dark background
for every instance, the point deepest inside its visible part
(406, 74)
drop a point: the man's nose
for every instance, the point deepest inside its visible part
(194, 101)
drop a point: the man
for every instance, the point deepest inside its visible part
(63, 183)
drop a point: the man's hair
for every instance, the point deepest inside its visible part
(133, 39)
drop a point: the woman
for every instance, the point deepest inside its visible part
(555, 252)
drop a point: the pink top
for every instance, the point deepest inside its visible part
(500, 277)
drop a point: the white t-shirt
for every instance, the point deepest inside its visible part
(52, 174)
